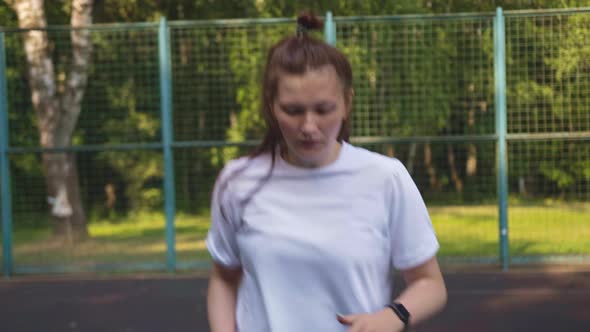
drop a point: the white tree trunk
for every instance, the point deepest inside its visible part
(57, 113)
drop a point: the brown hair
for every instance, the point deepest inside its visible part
(296, 55)
(293, 55)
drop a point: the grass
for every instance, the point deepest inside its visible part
(136, 238)
(534, 230)
(539, 229)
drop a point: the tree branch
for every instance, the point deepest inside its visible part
(78, 75)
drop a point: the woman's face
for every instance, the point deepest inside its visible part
(309, 109)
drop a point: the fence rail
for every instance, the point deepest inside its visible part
(488, 111)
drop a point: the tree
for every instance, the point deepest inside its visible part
(56, 102)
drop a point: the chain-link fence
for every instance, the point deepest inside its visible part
(548, 134)
(167, 105)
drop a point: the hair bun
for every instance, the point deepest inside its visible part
(309, 21)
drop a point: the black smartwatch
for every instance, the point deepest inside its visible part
(401, 312)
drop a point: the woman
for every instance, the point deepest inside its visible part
(306, 231)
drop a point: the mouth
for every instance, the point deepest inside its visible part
(309, 144)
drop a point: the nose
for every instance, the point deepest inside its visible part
(308, 124)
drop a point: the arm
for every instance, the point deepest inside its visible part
(426, 293)
(424, 296)
(221, 298)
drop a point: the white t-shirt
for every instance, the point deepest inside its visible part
(314, 242)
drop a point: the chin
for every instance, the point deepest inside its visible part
(310, 159)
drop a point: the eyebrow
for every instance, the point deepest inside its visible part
(326, 104)
(291, 105)
(321, 104)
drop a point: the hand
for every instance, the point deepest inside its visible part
(381, 321)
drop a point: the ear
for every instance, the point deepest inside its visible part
(348, 100)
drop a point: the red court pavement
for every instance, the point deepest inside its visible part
(526, 300)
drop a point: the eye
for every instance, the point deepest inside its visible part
(325, 109)
(292, 109)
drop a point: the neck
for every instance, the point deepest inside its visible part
(293, 160)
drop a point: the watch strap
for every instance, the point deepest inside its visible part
(401, 312)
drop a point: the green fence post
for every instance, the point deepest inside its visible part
(330, 29)
(167, 139)
(5, 168)
(501, 130)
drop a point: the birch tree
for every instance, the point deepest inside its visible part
(56, 100)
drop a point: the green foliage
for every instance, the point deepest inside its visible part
(571, 65)
(412, 77)
(7, 16)
(152, 10)
(560, 176)
(247, 56)
(137, 168)
(548, 57)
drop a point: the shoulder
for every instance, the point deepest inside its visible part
(376, 162)
(245, 166)
(232, 167)
(239, 176)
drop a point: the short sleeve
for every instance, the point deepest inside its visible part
(221, 238)
(413, 239)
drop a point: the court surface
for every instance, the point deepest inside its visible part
(536, 300)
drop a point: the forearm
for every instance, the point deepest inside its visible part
(221, 302)
(425, 294)
(423, 299)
